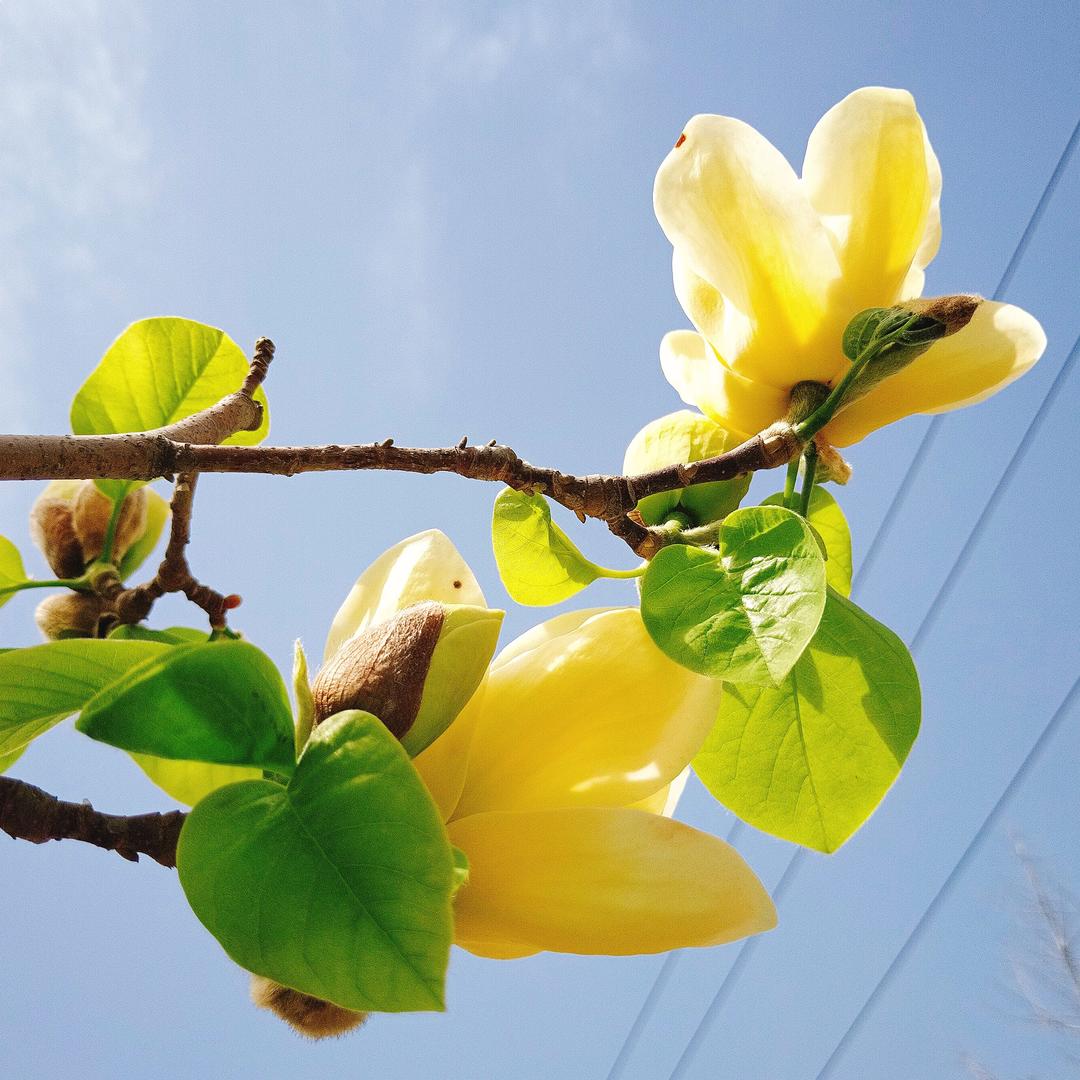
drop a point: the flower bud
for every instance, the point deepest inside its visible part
(52, 530)
(415, 671)
(90, 516)
(69, 520)
(953, 312)
(311, 1016)
(69, 615)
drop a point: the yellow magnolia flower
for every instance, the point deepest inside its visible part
(557, 779)
(770, 267)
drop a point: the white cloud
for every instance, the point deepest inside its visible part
(72, 153)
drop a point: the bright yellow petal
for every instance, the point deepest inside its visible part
(609, 881)
(426, 566)
(868, 176)
(703, 305)
(702, 379)
(443, 764)
(588, 713)
(737, 214)
(666, 800)
(999, 344)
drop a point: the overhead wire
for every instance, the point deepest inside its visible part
(891, 515)
(1025, 766)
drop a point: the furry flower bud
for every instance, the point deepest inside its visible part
(415, 671)
(70, 518)
(69, 615)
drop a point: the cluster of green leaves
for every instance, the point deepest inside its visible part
(330, 871)
(316, 857)
(822, 702)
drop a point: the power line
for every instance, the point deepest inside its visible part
(922, 451)
(891, 514)
(1026, 442)
(962, 559)
(984, 829)
(742, 958)
(928, 620)
(663, 977)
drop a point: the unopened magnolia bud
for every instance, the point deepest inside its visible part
(91, 514)
(69, 615)
(311, 1016)
(52, 530)
(415, 671)
(953, 312)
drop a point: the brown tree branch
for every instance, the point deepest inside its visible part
(609, 498)
(28, 813)
(173, 574)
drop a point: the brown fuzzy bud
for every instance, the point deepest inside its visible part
(382, 669)
(953, 312)
(70, 615)
(90, 517)
(310, 1016)
(52, 530)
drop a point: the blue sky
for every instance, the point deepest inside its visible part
(442, 215)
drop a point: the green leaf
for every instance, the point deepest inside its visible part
(743, 613)
(828, 521)
(173, 635)
(537, 561)
(678, 439)
(7, 760)
(338, 885)
(12, 571)
(190, 781)
(42, 685)
(222, 702)
(159, 371)
(810, 759)
(157, 513)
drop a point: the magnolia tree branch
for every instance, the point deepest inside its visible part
(190, 446)
(28, 813)
(174, 574)
(151, 454)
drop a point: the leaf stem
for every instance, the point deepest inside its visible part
(638, 571)
(110, 531)
(789, 481)
(78, 584)
(810, 456)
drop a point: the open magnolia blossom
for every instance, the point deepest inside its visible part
(771, 267)
(558, 778)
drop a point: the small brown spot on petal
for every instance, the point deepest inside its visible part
(457, 584)
(682, 139)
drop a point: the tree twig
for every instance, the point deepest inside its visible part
(28, 813)
(149, 455)
(173, 574)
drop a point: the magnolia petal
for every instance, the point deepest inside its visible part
(999, 344)
(931, 241)
(443, 765)
(426, 566)
(497, 950)
(867, 174)
(702, 379)
(611, 881)
(735, 210)
(591, 713)
(666, 800)
(703, 305)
